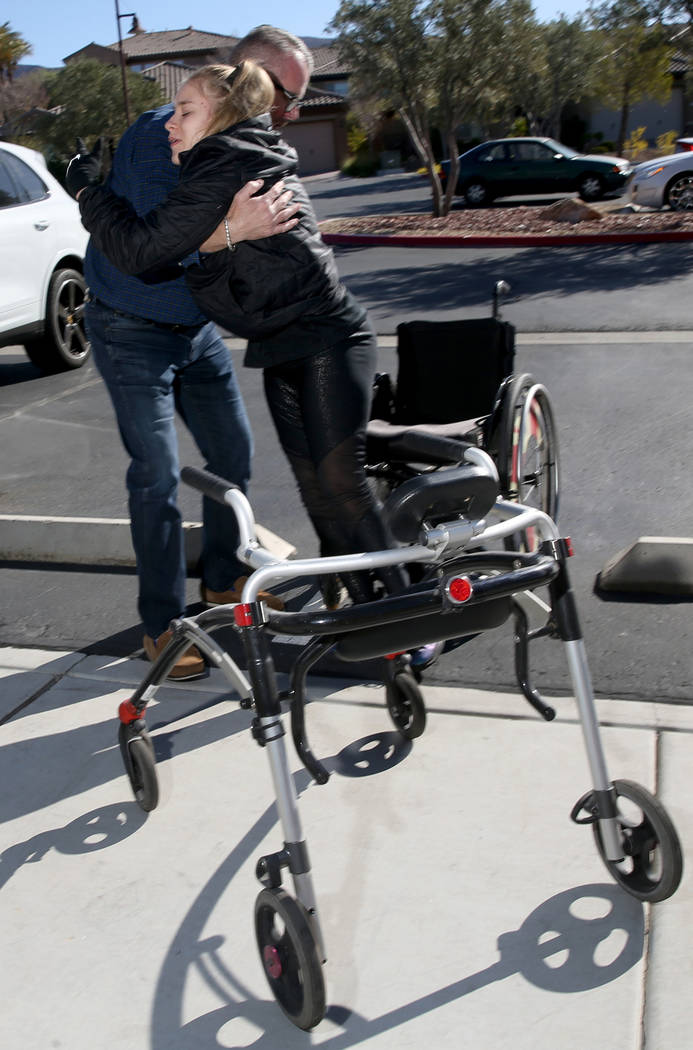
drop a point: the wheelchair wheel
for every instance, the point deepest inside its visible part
(653, 864)
(140, 765)
(290, 957)
(406, 705)
(528, 453)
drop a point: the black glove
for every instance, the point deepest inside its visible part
(84, 169)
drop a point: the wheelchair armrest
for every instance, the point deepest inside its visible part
(467, 490)
(436, 444)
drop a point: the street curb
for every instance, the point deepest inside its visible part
(530, 240)
(651, 565)
(97, 541)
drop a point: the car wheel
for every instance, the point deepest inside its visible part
(64, 344)
(476, 195)
(590, 187)
(679, 193)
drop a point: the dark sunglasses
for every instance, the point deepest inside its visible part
(294, 101)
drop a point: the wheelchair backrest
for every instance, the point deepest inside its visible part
(451, 370)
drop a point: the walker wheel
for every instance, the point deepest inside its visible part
(653, 862)
(140, 765)
(289, 956)
(406, 705)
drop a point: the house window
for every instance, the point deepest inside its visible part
(336, 87)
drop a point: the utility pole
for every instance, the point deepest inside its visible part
(129, 14)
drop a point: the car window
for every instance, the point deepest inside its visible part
(9, 194)
(532, 151)
(491, 153)
(30, 186)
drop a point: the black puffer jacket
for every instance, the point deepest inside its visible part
(283, 293)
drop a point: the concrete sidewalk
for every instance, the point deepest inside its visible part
(461, 908)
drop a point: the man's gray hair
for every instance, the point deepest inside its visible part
(263, 40)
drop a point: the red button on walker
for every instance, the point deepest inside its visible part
(459, 590)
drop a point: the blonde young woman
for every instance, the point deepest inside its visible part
(304, 328)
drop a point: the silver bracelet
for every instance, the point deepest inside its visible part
(229, 243)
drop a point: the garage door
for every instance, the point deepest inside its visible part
(314, 143)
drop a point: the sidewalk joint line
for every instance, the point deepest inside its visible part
(55, 678)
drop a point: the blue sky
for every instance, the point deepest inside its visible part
(56, 28)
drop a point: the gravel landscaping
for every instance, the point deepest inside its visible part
(518, 221)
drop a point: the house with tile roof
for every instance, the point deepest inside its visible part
(319, 135)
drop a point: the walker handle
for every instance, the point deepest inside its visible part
(229, 495)
(208, 484)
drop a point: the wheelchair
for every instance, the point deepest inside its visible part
(454, 523)
(456, 380)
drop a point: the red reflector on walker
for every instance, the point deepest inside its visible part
(243, 615)
(459, 589)
(569, 546)
(127, 712)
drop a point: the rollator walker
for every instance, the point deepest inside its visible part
(449, 523)
(469, 479)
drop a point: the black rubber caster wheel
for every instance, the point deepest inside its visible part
(289, 957)
(653, 863)
(406, 705)
(140, 765)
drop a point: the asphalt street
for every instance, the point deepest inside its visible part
(622, 409)
(621, 389)
(640, 288)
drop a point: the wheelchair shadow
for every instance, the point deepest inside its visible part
(95, 830)
(39, 766)
(577, 940)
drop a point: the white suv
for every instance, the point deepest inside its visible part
(42, 245)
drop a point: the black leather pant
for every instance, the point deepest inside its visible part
(320, 406)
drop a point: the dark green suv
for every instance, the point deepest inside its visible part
(518, 167)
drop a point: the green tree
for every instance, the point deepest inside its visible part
(572, 56)
(387, 44)
(18, 97)
(524, 76)
(636, 57)
(466, 69)
(89, 96)
(13, 47)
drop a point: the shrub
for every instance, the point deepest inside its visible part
(360, 166)
(635, 144)
(666, 142)
(519, 128)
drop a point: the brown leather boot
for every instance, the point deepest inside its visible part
(233, 596)
(189, 665)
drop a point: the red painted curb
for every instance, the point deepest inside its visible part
(530, 240)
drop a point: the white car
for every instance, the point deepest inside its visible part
(42, 245)
(664, 181)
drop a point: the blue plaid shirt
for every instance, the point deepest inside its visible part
(143, 173)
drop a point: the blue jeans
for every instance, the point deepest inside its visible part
(151, 372)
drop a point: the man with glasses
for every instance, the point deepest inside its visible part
(157, 354)
(293, 102)
(288, 63)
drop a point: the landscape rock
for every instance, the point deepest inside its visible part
(572, 210)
